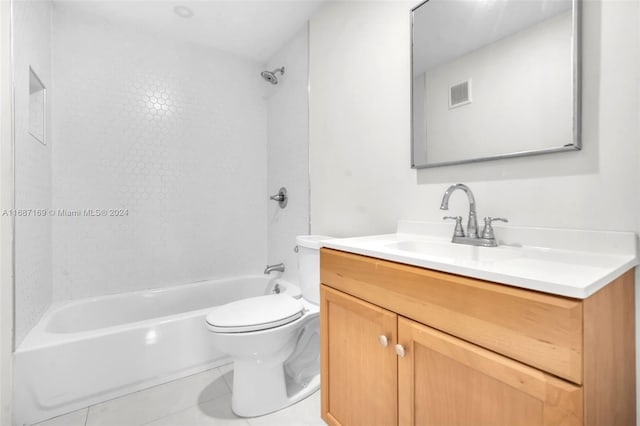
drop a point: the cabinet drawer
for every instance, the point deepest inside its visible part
(537, 329)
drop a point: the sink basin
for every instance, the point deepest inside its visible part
(453, 252)
(572, 263)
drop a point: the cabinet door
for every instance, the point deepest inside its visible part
(446, 381)
(359, 373)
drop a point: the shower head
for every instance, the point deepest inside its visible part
(270, 76)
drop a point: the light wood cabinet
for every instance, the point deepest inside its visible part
(446, 381)
(473, 352)
(363, 375)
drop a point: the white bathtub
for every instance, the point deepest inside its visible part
(88, 351)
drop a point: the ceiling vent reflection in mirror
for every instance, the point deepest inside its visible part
(460, 94)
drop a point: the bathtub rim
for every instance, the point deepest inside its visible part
(38, 337)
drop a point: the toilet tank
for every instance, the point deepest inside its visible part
(309, 265)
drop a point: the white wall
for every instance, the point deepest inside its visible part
(360, 155)
(636, 30)
(172, 132)
(288, 151)
(6, 222)
(361, 182)
(521, 96)
(359, 133)
(33, 284)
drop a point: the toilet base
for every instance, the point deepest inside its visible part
(260, 389)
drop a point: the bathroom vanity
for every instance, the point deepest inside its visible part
(409, 344)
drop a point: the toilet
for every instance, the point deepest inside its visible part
(274, 340)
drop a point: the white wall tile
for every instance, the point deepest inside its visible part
(33, 284)
(288, 152)
(172, 132)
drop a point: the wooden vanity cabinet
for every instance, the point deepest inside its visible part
(409, 346)
(444, 380)
(363, 376)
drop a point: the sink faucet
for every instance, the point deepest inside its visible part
(472, 225)
(270, 268)
(488, 238)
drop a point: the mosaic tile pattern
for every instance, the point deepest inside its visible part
(175, 134)
(288, 152)
(33, 285)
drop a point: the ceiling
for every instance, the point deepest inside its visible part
(446, 29)
(251, 29)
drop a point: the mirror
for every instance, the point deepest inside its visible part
(493, 79)
(37, 107)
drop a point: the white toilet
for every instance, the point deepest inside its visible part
(274, 340)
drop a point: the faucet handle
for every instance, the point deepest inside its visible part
(487, 232)
(458, 232)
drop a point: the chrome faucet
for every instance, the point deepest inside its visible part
(270, 268)
(487, 239)
(472, 224)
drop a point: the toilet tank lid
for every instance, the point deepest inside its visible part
(311, 241)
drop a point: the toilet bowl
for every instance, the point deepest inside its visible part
(274, 340)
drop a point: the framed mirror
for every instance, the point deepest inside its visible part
(494, 79)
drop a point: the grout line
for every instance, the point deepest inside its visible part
(196, 403)
(199, 404)
(126, 395)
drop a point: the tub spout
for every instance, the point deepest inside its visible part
(270, 268)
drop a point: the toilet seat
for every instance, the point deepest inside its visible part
(254, 314)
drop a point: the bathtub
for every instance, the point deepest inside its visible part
(88, 351)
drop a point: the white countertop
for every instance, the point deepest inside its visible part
(572, 263)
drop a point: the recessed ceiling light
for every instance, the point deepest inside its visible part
(183, 11)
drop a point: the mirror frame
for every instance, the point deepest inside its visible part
(574, 145)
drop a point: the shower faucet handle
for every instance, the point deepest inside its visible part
(281, 197)
(458, 232)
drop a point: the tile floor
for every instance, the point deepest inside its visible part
(203, 399)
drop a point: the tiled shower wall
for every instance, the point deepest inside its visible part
(32, 48)
(171, 136)
(288, 153)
